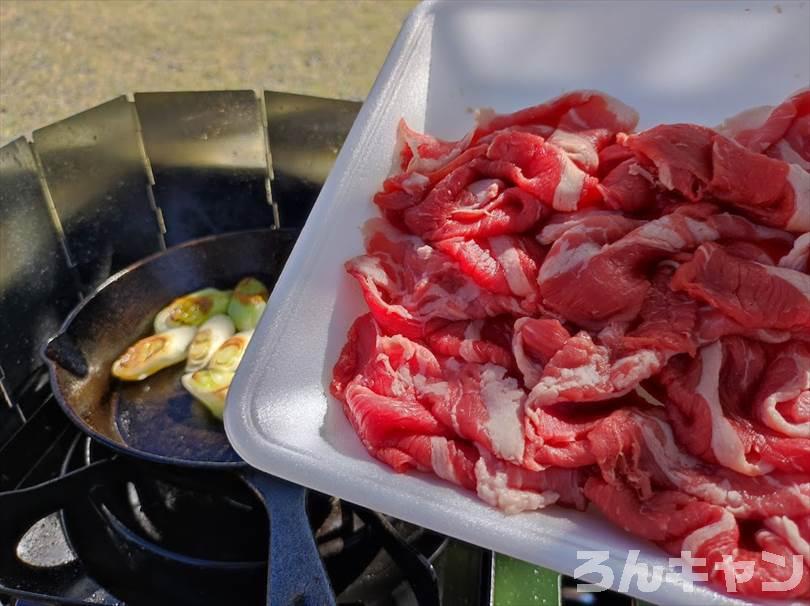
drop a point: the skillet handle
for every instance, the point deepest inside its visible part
(296, 576)
(21, 509)
(64, 351)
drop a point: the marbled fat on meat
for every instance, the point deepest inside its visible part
(566, 312)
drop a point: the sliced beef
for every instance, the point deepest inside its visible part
(469, 203)
(505, 265)
(712, 408)
(480, 341)
(782, 401)
(756, 296)
(411, 288)
(540, 169)
(781, 132)
(584, 371)
(483, 405)
(574, 112)
(683, 524)
(565, 312)
(534, 343)
(585, 259)
(513, 489)
(696, 162)
(799, 256)
(382, 382)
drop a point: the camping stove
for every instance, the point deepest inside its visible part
(86, 197)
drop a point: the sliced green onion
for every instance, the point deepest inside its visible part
(154, 353)
(210, 387)
(247, 303)
(230, 353)
(192, 309)
(210, 336)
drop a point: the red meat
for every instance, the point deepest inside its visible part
(799, 256)
(564, 312)
(696, 162)
(712, 409)
(411, 287)
(782, 132)
(755, 295)
(606, 251)
(505, 265)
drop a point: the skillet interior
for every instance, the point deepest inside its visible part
(155, 417)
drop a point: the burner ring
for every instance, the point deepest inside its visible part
(105, 532)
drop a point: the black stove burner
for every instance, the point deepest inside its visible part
(157, 534)
(165, 553)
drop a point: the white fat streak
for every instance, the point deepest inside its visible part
(374, 275)
(509, 259)
(471, 334)
(485, 190)
(483, 116)
(725, 442)
(423, 387)
(748, 119)
(473, 330)
(648, 397)
(799, 180)
(638, 170)
(797, 279)
(414, 183)
(624, 114)
(668, 456)
(430, 164)
(788, 154)
(640, 365)
(578, 148)
(493, 488)
(677, 464)
(701, 230)
(401, 380)
(665, 176)
(396, 160)
(768, 411)
(503, 400)
(575, 119)
(561, 224)
(424, 252)
(372, 269)
(531, 371)
(550, 233)
(440, 459)
(569, 188)
(663, 235)
(659, 232)
(771, 336)
(789, 531)
(695, 540)
(564, 258)
(797, 257)
(548, 389)
(443, 304)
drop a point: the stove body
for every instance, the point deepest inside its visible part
(86, 197)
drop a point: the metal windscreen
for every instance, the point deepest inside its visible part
(97, 191)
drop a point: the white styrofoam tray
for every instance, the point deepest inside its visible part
(673, 61)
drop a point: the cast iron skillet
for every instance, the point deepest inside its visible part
(155, 419)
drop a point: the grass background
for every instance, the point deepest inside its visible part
(58, 57)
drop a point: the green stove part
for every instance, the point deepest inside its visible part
(519, 583)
